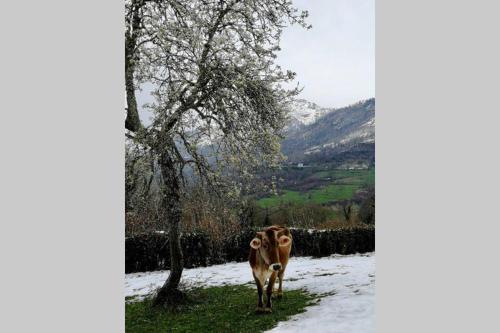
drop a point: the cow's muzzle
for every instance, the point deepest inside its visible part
(276, 267)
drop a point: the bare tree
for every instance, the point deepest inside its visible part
(347, 211)
(219, 104)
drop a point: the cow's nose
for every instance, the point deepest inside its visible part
(277, 267)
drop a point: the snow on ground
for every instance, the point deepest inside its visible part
(347, 284)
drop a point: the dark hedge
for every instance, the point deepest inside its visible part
(149, 252)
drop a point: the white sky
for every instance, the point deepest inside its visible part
(335, 60)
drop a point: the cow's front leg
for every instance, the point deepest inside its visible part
(269, 290)
(280, 276)
(260, 287)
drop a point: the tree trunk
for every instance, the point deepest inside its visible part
(132, 122)
(169, 293)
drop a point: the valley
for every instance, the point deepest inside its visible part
(320, 185)
(328, 178)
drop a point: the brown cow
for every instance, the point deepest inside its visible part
(269, 252)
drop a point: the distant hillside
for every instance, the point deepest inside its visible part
(345, 136)
(303, 112)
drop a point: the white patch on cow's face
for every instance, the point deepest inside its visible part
(255, 243)
(264, 251)
(284, 240)
(262, 275)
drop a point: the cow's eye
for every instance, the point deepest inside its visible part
(265, 246)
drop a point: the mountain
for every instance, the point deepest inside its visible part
(303, 112)
(341, 136)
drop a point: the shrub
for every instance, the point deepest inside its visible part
(148, 252)
(366, 212)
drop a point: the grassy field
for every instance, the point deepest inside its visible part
(215, 309)
(357, 177)
(342, 185)
(327, 194)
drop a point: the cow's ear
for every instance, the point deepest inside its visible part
(284, 240)
(255, 243)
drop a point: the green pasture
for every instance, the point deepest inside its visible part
(343, 184)
(215, 309)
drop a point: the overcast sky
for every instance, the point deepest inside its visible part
(335, 60)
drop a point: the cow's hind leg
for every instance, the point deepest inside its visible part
(260, 287)
(269, 291)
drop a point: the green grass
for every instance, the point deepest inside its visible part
(343, 186)
(215, 309)
(287, 196)
(329, 193)
(353, 177)
(332, 192)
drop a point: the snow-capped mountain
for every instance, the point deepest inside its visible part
(328, 134)
(303, 112)
(343, 136)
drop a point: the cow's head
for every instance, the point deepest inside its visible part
(267, 243)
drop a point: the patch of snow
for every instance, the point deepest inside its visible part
(313, 150)
(304, 112)
(369, 123)
(346, 282)
(309, 230)
(352, 306)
